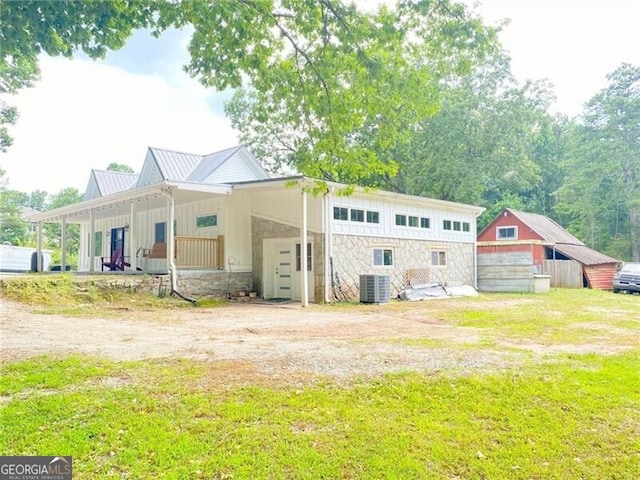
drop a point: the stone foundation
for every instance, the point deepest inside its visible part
(203, 283)
(191, 283)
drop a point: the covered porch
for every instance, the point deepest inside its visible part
(135, 230)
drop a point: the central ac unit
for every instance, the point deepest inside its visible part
(375, 288)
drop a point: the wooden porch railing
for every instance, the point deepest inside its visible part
(192, 252)
(199, 252)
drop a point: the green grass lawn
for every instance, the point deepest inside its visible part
(569, 417)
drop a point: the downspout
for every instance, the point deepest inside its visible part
(328, 246)
(171, 240)
(173, 276)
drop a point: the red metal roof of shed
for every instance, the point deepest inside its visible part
(548, 229)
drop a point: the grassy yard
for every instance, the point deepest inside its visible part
(571, 416)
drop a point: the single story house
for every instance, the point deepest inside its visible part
(219, 223)
(552, 251)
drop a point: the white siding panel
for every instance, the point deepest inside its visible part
(285, 206)
(388, 209)
(234, 169)
(237, 232)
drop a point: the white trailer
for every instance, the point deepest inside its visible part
(19, 259)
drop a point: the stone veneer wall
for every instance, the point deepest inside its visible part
(217, 283)
(262, 229)
(353, 256)
(191, 283)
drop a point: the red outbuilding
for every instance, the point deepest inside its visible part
(550, 245)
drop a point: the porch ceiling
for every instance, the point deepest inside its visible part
(146, 198)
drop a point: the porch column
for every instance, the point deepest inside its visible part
(303, 252)
(133, 242)
(39, 249)
(63, 244)
(171, 242)
(327, 214)
(92, 242)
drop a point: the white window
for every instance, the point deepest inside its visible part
(373, 217)
(340, 213)
(382, 257)
(507, 233)
(401, 220)
(438, 258)
(357, 215)
(309, 257)
(413, 221)
(425, 222)
(446, 224)
(457, 226)
(466, 227)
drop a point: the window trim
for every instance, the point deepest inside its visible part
(367, 217)
(402, 217)
(502, 228)
(383, 257)
(298, 251)
(438, 254)
(356, 211)
(340, 210)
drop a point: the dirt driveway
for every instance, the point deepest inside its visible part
(277, 340)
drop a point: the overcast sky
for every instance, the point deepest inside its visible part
(84, 114)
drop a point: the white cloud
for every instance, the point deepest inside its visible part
(83, 115)
(573, 43)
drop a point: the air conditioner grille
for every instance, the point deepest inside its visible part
(375, 288)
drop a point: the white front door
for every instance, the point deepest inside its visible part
(283, 270)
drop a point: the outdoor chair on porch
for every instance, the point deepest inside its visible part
(115, 262)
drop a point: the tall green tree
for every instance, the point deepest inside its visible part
(337, 84)
(38, 200)
(66, 196)
(13, 228)
(477, 148)
(338, 90)
(601, 191)
(119, 167)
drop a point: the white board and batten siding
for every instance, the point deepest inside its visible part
(389, 208)
(285, 206)
(238, 168)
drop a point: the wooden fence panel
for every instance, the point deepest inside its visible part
(564, 273)
(505, 272)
